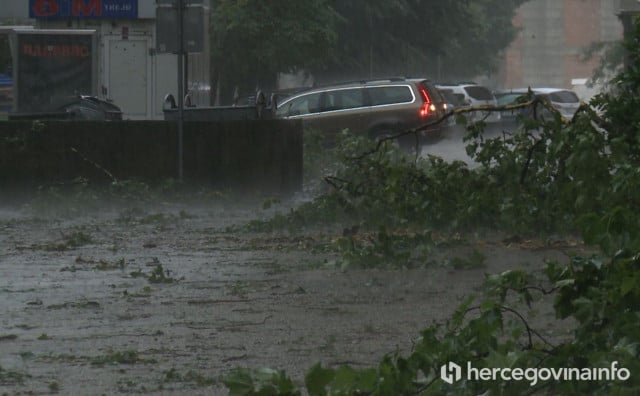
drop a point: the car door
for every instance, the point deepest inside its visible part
(343, 109)
(394, 109)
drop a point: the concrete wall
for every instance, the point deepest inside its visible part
(250, 156)
(14, 10)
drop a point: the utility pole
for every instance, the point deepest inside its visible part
(180, 90)
(173, 37)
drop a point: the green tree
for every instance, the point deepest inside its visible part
(486, 33)
(254, 40)
(336, 40)
(422, 37)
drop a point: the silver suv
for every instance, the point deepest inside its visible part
(375, 108)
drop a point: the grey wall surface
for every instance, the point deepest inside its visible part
(543, 43)
(10, 9)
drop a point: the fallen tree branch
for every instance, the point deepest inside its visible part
(459, 111)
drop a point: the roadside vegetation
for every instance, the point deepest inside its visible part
(547, 178)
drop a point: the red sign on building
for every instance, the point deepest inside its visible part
(112, 9)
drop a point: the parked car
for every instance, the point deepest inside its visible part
(85, 107)
(509, 97)
(564, 100)
(453, 101)
(81, 107)
(471, 94)
(375, 108)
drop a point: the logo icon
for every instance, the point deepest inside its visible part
(450, 372)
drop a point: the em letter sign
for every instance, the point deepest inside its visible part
(111, 9)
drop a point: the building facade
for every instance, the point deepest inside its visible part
(554, 34)
(131, 71)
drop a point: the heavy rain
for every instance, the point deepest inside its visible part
(384, 197)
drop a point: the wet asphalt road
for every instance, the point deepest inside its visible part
(451, 146)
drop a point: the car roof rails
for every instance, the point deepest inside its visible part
(384, 79)
(362, 81)
(449, 83)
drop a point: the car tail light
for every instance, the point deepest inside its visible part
(427, 107)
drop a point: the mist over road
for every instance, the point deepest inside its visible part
(451, 147)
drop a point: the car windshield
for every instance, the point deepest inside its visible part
(564, 97)
(302, 105)
(479, 93)
(507, 98)
(451, 98)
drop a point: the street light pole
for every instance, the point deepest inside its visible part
(180, 4)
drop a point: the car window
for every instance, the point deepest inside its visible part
(564, 97)
(343, 99)
(478, 92)
(509, 98)
(449, 97)
(302, 105)
(452, 98)
(390, 95)
(460, 98)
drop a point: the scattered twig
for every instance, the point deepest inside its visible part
(95, 164)
(218, 301)
(426, 386)
(232, 358)
(530, 331)
(334, 181)
(527, 163)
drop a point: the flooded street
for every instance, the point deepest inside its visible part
(205, 197)
(451, 146)
(166, 300)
